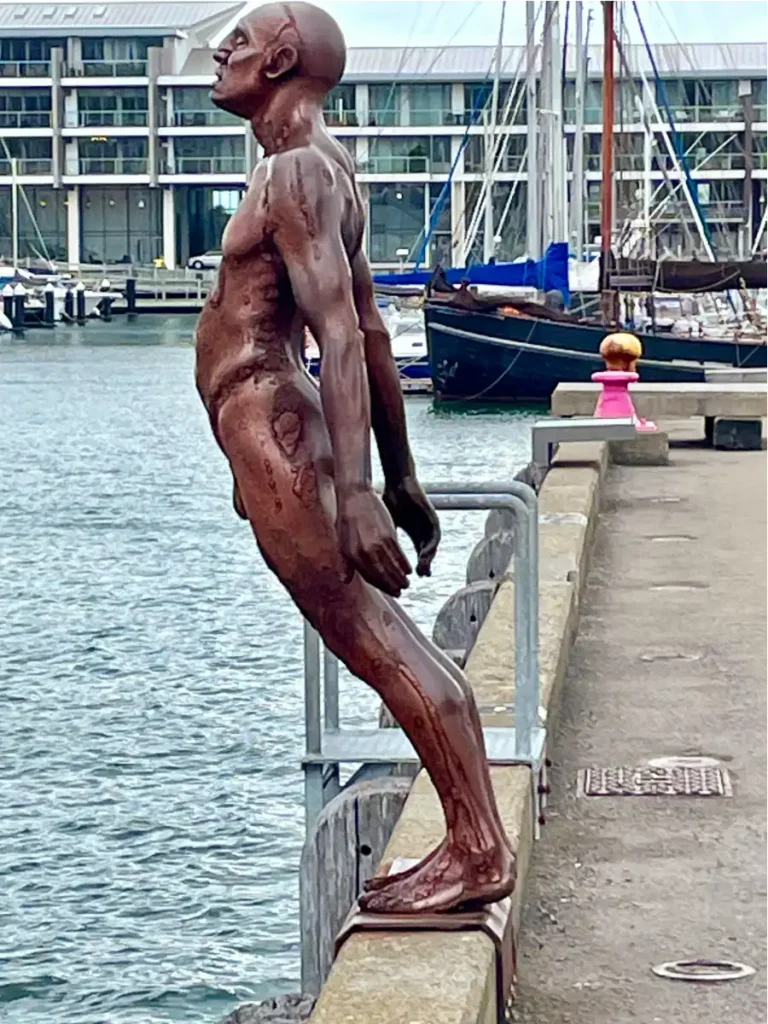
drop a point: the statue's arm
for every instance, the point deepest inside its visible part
(387, 406)
(406, 501)
(305, 218)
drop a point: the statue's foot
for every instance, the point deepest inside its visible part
(382, 881)
(449, 878)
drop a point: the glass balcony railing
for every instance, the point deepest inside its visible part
(203, 118)
(25, 119)
(25, 69)
(207, 165)
(109, 68)
(114, 165)
(405, 165)
(341, 118)
(413, 118)
(760, 112)
(107, 119)
(28, 165)
(699, 113)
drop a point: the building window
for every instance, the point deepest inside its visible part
(339, 106)
(478, 102)
(33, 156)
(396, 220)
(192, 108)
(29, 58)
(385, 105)
(201, 215)
(440, 250)
(114, 107)
(224, 154)
(387, 155)
(512, 162)
(43, 234)
(509, 213)
(120, 224)
(115, 57)
(227, 200)
(113, 156)
(25, 108)
(429, 105)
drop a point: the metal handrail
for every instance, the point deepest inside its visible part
(322, 710)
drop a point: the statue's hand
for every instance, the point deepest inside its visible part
(412, 511)
(369, 542)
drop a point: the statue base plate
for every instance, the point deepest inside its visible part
(494, 920)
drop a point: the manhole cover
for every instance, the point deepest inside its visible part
(703, 970)
(679, 780)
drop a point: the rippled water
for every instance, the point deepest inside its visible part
(151, 715)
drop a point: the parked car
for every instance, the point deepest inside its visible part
(207, 261)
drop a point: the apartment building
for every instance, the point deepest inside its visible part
(119, 154)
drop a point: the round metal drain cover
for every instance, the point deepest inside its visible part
(703, 970)
(684, 761)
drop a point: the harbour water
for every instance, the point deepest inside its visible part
(151, 716)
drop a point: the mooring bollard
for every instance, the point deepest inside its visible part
(69, 305)
(130, 296)
(8, 302)
(620, 352)
(105, 307)
(19, 302)
(80, 302)
(49, 315)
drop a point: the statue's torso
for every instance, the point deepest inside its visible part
(250, 323)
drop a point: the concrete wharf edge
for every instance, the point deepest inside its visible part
(449, 977)
(738, 400)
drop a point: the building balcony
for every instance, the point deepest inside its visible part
(27, 165)
(202, 118)
(108, 69)
(107, 119)
(404, 165)
(205, 165)
(341, 118)
(412, 118)
(25, 118)
(25, 69)
(703, 115)
(114, 165)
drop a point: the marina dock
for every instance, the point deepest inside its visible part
(651, 654)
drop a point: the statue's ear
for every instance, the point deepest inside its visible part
(283, 59)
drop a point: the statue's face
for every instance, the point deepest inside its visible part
(249, 61)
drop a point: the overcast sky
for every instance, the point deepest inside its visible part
(456, 22)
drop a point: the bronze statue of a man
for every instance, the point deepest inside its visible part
(300, 456)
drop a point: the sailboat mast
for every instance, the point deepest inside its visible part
(533, 231)
(490, 149)
(14, 214)
(606, 195)
(577, 186)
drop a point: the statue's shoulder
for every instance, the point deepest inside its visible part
(306, 167)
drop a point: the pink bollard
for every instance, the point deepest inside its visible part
(620, 352)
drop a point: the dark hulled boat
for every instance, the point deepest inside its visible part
(491, 356)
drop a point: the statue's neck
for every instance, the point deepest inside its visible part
(289, 119)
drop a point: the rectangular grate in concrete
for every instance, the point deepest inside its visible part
(649, 781)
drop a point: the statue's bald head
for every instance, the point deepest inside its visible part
(275, 44)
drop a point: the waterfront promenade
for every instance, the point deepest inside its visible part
(670, 658)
